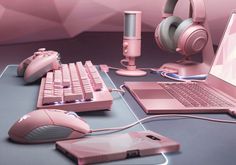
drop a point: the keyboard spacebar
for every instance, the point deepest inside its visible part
(51, 99)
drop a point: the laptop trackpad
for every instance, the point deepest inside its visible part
(152, 94)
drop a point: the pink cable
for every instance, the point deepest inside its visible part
(114, 68)
(161, 116)
(123, 61)
(164, 74)
(121, 89)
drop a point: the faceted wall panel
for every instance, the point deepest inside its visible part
(30, 20)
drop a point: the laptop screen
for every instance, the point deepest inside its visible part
(224, 66)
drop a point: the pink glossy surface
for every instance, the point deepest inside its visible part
(225, 62)
(222, 74)
(48, 19)
(115, 147)
(199, 12)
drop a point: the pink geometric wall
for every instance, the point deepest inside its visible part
(34, 20)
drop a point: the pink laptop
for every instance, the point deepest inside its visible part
(216, 94)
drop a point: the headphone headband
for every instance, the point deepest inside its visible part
(198, 12)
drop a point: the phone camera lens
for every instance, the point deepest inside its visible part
(153, 137)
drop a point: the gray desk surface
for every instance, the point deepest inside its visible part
(201, 142)
(18, 99)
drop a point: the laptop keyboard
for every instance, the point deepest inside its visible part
(194, 95)
(74, 87)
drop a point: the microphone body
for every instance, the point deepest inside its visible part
(131, 43)
(132, 34)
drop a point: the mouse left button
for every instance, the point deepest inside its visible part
(70, 120)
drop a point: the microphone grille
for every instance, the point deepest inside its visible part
(132, 23)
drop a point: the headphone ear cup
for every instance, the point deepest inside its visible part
(157, 37)
(164, 33)
(190, 38)
(167, 31)
(181, 28)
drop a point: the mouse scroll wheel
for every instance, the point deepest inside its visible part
(72, 114)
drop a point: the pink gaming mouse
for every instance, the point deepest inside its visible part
(48, 125)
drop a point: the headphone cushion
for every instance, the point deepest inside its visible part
(167, 30)
(182, 28)
(157, 37)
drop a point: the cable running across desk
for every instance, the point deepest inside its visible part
(163, 116)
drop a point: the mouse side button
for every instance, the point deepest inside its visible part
(48, 133)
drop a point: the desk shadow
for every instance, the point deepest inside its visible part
(66, 156)
(9, 140)
(174, 153)
(23, 83)
(37, 82)
(99, 113)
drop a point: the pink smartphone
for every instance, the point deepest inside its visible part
(96, 149)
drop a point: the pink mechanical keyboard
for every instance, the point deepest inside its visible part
(74, 87)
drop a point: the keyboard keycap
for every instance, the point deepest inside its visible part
(94, 76)
(74, 87)
(194, 95)
(51, 99)
(65, 75)
(57, 77)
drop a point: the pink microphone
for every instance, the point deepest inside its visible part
(131, 44)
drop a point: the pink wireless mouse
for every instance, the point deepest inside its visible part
(48, 125)
(37, 65)
(23, 65)
(40, 66)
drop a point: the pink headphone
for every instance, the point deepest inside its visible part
(186, 37)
